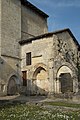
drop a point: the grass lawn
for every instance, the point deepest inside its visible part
(38, 112)
(64, 104)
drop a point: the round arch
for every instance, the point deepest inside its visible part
(40, 81)
(72, 70)
(64, 77)
(12, 87)
(40, 65)
(64, 69)
(37, 68)
(38, 71)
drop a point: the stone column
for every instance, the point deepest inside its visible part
(75, 84)
(57, 86)
(51, 76)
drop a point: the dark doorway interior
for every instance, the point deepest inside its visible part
(66, 82)
(24, 77)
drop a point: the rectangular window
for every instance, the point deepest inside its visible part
(28, 58)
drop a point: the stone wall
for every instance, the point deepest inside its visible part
(79, 67)
(10, 49)
(66, 56)
(41, 51)
(10, 27)
(0, 27)
(52, 54)
(32, 23)
(67, 45)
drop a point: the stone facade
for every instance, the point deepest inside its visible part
(54, 60)
(10, 20)
(48, 62)
(33, 23)
(15, 18)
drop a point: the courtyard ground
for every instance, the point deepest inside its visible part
(38, 108)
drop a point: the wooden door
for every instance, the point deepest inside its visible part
(24, 76)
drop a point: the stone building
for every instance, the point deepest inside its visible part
(50, 62)
(17, 22)
(31, 59)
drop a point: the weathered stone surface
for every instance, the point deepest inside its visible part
(15, 18)
(32, 24)
(10, 34)
(54, 55)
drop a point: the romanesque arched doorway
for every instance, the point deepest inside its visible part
(64, 80)
(12, 86)
(40, 81)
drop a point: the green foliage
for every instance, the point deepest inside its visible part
(35, 112)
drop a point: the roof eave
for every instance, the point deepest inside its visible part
(50, 34)
(27, 3)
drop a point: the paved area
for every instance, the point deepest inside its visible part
(22, 98)
(37, 100)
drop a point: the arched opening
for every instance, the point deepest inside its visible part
(64, 80)
(40, 82)
(12, 86)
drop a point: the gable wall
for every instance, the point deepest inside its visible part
(69, 45)
(32, 23)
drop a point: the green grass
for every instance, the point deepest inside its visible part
(64, 104)
(36, 112)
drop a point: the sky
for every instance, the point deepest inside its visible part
(62, 14)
